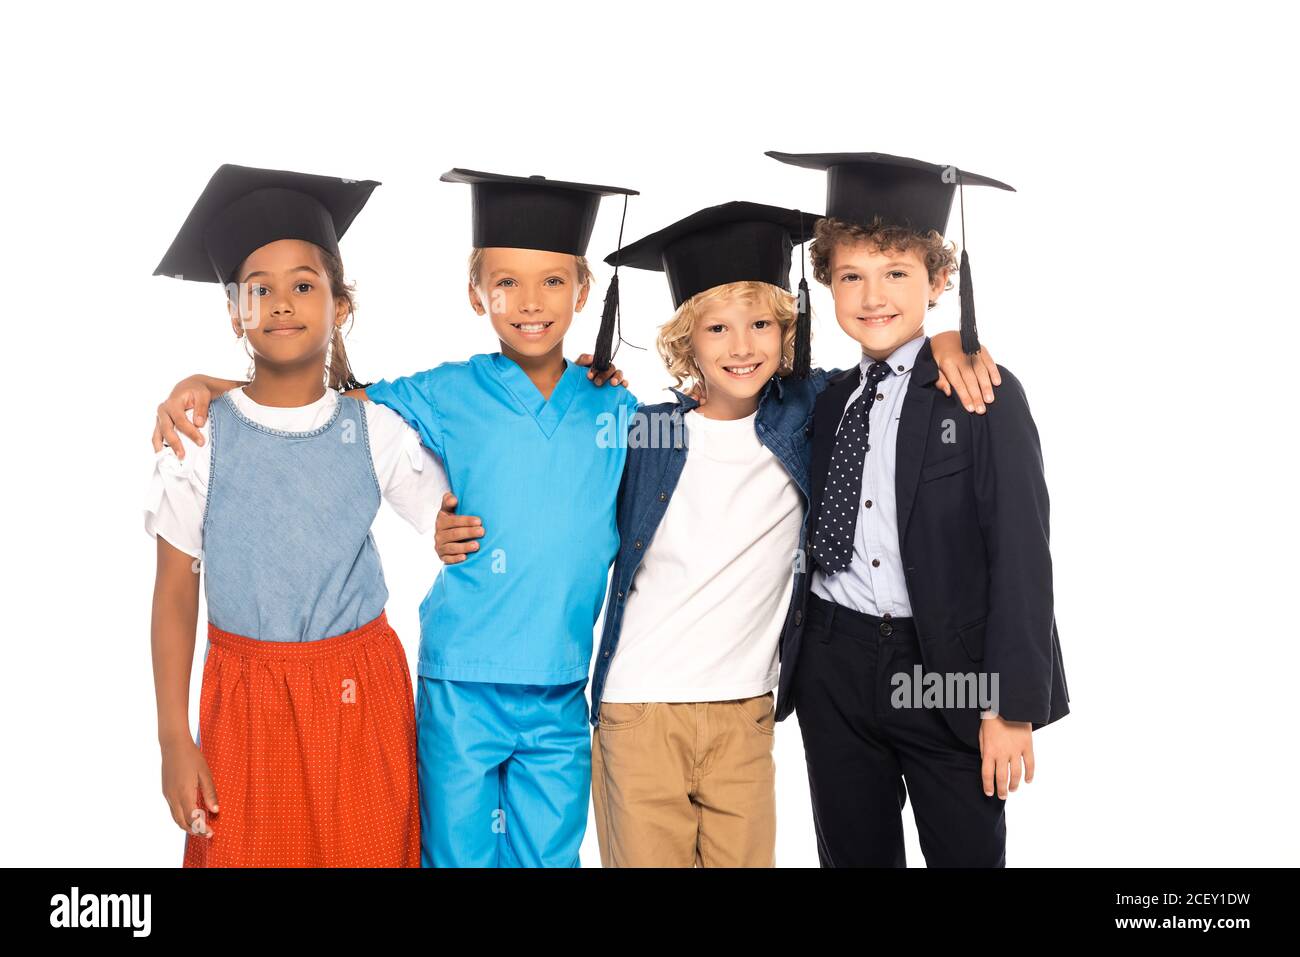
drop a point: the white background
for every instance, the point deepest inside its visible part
(1141, 284)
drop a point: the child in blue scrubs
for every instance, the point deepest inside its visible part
(504, 752)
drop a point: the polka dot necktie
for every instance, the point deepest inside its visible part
(833, 541)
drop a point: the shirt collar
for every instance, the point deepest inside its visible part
(900, 361)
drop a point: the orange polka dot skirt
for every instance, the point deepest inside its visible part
(312, 750)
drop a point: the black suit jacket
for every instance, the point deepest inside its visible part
(973, 531)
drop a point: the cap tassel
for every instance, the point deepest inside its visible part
(803, 320)
(970, 342)
(605, 338)
(609, 314)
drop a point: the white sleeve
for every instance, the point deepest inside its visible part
(411, 478)
(178, 495)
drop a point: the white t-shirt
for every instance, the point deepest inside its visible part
(411, 477)
(704, 615)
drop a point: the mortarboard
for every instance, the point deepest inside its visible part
(900, 191)
(533, 212)
(733, 242)
(243, 208)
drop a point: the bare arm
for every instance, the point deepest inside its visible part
(185, 774)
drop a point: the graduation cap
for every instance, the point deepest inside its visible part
(243, 208)
(900, 191)
(533, 212)
(733, 242)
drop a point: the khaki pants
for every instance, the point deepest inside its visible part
(684, 784)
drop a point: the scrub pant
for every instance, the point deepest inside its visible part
(505, 773)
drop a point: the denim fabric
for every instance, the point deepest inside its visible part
(287, 549)
(657, 449)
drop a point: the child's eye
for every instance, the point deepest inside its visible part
(714, 328)
(555, 281)
(848, 277)
(896, 272)
(505, 282)
(259, 290)
(762, 323)
(303, 287)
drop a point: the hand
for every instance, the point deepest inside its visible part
(611, 375)
(185, 776)
(699, 393)
(973, 376)
(191, 393)
(1003, 746)
(454, 532)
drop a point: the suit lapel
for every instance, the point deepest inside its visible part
(913, 431)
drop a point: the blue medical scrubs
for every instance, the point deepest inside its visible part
(506, 635)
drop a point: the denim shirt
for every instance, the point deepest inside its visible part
(783, 424)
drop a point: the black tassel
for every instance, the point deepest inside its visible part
(803, 334)
(605, 338)
(970, 342)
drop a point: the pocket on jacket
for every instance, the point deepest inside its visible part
(952, 466)
(617, 715)
(972, 639)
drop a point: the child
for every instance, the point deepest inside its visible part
(929, 538)
(306, 726)
(504, 758)
(710, 520)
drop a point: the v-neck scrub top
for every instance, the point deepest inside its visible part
(544, 477)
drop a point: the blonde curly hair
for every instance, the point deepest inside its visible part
(674, 340)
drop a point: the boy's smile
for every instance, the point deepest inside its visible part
(530, 295)
(737, 346)
(881, 296)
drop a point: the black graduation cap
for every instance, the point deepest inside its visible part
(533, 212)
(243, 208)
(733, 242)
(902, 192)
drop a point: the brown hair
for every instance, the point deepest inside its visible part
(674, 340)
(585, 275)
(339, 371)
(930, 247)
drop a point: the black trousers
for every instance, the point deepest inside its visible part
(865, 756)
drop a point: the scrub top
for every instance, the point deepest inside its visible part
(544, 477)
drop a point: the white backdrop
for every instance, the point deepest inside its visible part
(1140, 283)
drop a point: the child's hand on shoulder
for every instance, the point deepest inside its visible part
(185, 777)
(611, 375)
(1005, 746)
(973, 376)
(192, 393)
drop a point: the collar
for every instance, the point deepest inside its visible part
(686, 402)
(900, 361)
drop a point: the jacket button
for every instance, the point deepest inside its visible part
(620, 595)
(798, 616)
(663, 496)
(638, 543)
(808, 431)
(606, 655)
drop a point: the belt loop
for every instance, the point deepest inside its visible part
(830, 621)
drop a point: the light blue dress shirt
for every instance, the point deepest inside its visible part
(544, 476)
(876, 589)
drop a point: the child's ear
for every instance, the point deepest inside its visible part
(340, 311)
(940, 284)
(582, 297)
(233, 309)
(475, 301)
